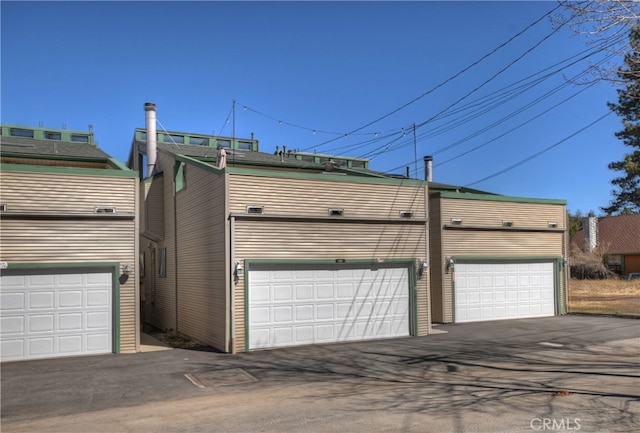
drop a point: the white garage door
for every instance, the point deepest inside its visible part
(495, 291)
(291, 306)
(55, 315)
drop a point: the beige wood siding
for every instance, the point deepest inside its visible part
(162, 306)
(499, 243)
(307, 197)
(202, 263)
(82, 241)
(53, 192)
(492, 213)
(153, 209)
(282, 240)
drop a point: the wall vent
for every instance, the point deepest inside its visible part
(456, 221)
(507, 223)
(3, 207)
(552, 224)
(105, 210)
(255, 209)
(336, 212)
(406, 214)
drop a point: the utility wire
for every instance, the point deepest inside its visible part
(535, 155)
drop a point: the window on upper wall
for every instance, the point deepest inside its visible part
(198, 141)
(181, 176)
(79, 138)
(177, 139)
(51, 135)
(357, 164)
(226, 144)
(18, 132)
(162, 263)
(245, 145)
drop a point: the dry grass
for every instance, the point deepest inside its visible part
(611, 296)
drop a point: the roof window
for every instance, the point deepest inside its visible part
(52, 135)
(78, 138)
(19, 132)
(176, 139)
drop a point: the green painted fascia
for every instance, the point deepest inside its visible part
(57, 157)
(68, 170)
(115, 271)
(502, 198)
(119, 166)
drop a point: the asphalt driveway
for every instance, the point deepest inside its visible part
(578, 373)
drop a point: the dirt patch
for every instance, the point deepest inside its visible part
(616, 297)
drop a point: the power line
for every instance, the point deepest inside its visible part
(535, 155)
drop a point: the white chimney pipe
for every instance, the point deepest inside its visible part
(428, 168)
(152, 146)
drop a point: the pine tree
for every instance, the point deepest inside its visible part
(627, 192)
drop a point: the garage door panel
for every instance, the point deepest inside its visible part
(507, 291)
(347, 304)
(56, 314)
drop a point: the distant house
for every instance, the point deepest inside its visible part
(616, 238)
(495, 257)
(68, 244)
(246, 250)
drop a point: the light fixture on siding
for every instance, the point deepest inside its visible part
(456, 221)
(422, 267)
(3, 207)
(127, 269)
(507, 223)
(237, 270)
(449, 263)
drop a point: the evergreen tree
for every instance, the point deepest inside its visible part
(627, 192)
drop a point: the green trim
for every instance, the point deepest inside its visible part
(490, 197)
(411, 264)
(68, 170)
(39, 156)
(120, 166)
(114, 268)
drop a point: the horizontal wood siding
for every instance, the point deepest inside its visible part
(307, 197)
(283, 240)
(154, 208)
(492, 213)
(64, 193)
(162, 311)
(505, 244)
(202, 281)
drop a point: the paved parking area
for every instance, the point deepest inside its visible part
(577, 373)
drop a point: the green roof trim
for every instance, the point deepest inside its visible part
(492, 197)
(120, 172)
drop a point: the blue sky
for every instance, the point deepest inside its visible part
(347, 78)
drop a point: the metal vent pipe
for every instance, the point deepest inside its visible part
(152, 146)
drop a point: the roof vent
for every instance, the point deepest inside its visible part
(105, 210)
(406, 214)
(336, 212)
(255, 209)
